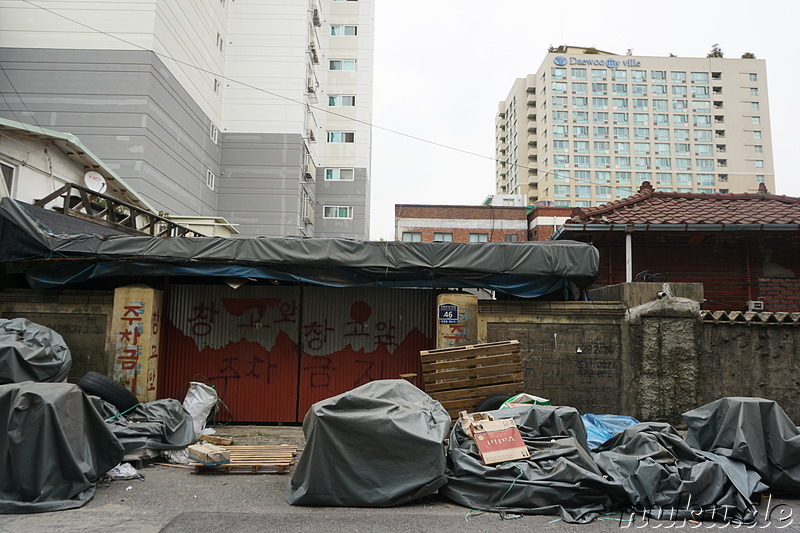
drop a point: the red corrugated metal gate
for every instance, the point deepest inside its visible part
(271, 352)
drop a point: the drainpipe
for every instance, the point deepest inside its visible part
(628, 254)
(747, 260)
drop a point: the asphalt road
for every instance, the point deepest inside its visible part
(175, 501)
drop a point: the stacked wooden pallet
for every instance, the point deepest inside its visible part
(461, 376)
(253, 460)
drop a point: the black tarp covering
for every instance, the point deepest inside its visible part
(378, 445)
(30, 352)
(752, 430)
(559, 478)
(53, 445)
(663, 476)
(159, 425)
(525, 269)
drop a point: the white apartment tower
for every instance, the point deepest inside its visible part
(587, 129)
(257, 111)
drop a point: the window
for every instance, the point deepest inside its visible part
(408, 236)
(641, 177)
(641, 119)
(579, 74)
(581, 147)
(601, 132)
(561, 176)
(213, 132)
(705, 164)
(642, 163)
(603, 192)
(759, 149)
(683, 179)
(583, 176)
(682, 148)
(638, 75)
(603, 176)
(211, 179)
(442, 237)
(680, 106)
(599, 103)
(661, 134)
(7, 175)
(620, 118)
(559, 102)
(560, 116)
(760, 178)
(600, 147)
(641, 134)
(753, 76)
(599, 88)
(580, 117)
(624, 192)
(581, 132)
(602, 161)
(702, 121)
(756, 120)
(705, 180)
(598, 74)
(580, 88)
(755, 106)
(756, 134)
(341, 29)
(622, 148)
(681, 135)
(560, 131)
(662, 148)
(558, 87)
(478, 237)
(510, 237)
(562, 203)
(700, 78)
(337, 211)
(663, 163)
(216, 86)
(661, 105)
(220, 42)
(682, 163)
(678, 77)
(599, 117)
(583, 191)
(638, 90)
(621, 133)
(701, 107)
(699, 91)
(342, 64)
(663, 178)
(561, 190)
(619, 89)
(561, 146)
(619, 75)
(620, 104)
(759, 163)
(680, 120)
(622, 161)
(702, 135)
(560, 160)
(753, 91)
(582, 161)
(339, 174)
(703, 150)
(623, 177)
(679, 91)
(558, 73)
(641, 148)
(659, 90)
(640, 104)
(582, 203)
(342, 100)
(580, 102)
(341, 137)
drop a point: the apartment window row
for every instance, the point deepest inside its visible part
(641, 148)
(625, 132)
(638, 75)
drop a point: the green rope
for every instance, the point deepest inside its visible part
(126, 411)
(498, 507)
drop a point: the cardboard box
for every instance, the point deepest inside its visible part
(498, 441)
(208, 454)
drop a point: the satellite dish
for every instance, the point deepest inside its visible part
(95, 181)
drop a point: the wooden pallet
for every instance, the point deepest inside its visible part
(252, 460)
(461, 376)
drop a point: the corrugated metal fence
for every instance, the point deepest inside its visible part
(273, 351)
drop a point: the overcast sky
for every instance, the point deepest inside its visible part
(442, 66)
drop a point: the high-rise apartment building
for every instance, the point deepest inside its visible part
(257, 111)
(588, 128)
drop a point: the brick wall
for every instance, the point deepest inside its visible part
(780, 294)
(446, 218)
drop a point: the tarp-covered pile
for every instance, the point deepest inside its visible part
(378, 445)
(159, 425)
(31, 352)
(54, 446)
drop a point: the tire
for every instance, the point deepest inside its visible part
(109, 390)
(492, 403)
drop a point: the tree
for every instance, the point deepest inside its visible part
(748, 55)
(591, 50)
(716, 51)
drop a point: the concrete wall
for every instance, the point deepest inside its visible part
(81, 317)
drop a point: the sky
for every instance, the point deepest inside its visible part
(442, 67)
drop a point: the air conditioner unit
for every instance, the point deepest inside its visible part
(755, 305)
(308, 171)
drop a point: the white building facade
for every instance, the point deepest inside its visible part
(257, 111)
(587, 129)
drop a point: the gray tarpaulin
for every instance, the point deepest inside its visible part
(32, 237)
(53, 445)
(559, 478)
(30, 352)
(752, 430)
(378, 445)
(159, 425)
(663, 476)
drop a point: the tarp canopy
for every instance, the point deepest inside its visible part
(53, 249)
(53, 446)
(31, 352)
(378, 445)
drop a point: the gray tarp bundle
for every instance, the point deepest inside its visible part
(159, 425)
(559, 478)
(378, 445)
(53, 445)
(30, 352)
(754, 431)
(663, 476)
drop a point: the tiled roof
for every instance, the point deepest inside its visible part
(654, 207)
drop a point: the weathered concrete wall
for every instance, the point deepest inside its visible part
(81, 317)
(573, 353)
(751, 360)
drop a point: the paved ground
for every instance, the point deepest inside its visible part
(173, 500)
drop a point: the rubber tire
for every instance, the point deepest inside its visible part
(492, 403)
(109, 390)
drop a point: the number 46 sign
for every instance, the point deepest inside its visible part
(448, 314)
